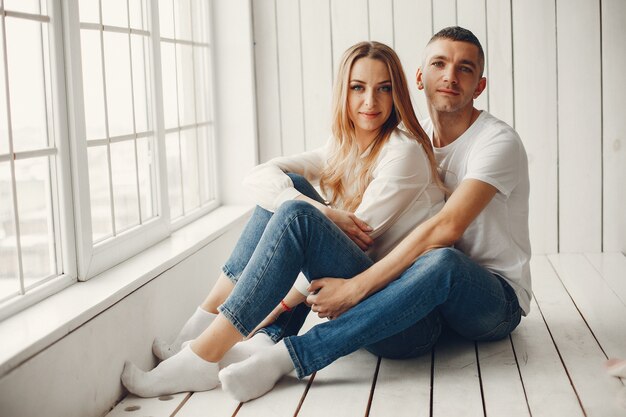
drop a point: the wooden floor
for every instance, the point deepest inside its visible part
(550, 366)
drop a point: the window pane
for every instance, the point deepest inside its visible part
(183, 19)
(114, 13)
(168, 68)
(89, 11)
(189, 148)
(4, 130)
(206, 176)
(101, 224)
(200, 16)
(203, 84)
(118, 86)
(36, 221)
(140, 82)
(147, 176)
(9, 281)
(26, 6)
(26, 80)
(173, 175)
(166, 18)
(186, 86)
(124, 167)
(92, 84)
(138, 15)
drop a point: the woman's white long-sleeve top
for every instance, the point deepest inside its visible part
(400, 195)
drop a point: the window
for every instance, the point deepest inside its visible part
(133, 126)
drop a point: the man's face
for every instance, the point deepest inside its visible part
(451, 75)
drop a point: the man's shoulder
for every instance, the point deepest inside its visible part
(493, 129)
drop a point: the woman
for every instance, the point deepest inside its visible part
(380, 182)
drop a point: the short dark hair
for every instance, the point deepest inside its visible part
(459, 34)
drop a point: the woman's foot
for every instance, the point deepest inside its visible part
(183, 372)
(196, 324)
(258, 374)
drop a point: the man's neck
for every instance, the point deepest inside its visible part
(448, 127)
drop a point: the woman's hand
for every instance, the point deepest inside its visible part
(355, 228)
(331, 297)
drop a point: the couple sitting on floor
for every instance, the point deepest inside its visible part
(419, 227)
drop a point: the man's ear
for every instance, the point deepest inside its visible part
(482, 84)
(418, 79)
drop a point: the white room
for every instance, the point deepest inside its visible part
(128, 126)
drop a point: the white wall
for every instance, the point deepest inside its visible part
(553, 72)
(79, 375)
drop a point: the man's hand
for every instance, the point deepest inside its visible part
(331, 297)
(355, 228)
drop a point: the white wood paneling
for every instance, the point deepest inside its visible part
(381, 21)
(500, 60)
(602, 309)
(444, 14)
(497, 363)
(580, 158)
(614, 124)
(548, 389)
(350, 24)
(316, 71)
(267, 79)
(290, 70)
(413, 29)
(612, 267)
(582, 359)
(217, 401)
(471, 14)
(342, 388)
(403, 388)
(456, 385)
(536, 113)
(163, 406)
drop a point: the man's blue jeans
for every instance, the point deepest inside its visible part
(402, 320)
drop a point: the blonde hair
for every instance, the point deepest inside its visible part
(345, 157)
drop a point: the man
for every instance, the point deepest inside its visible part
(479, 288)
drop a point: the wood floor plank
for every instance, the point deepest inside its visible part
(162, 406)
(214, 403)
(456, 385)
(503, 390)
(595, 299)
(547, 386)
(612, 268)
(583, 359)
(342, 388)
(402, 388)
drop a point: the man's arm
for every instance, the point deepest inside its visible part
(337, 295)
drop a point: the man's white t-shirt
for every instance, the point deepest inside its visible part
(492, 152)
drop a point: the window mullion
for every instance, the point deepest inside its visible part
(132, 98)
(106, 125)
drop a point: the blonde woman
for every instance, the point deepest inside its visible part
(379, 179)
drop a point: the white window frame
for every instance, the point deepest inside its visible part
(92, 258)
(61, 185)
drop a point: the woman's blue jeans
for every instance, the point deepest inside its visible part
(404, 319)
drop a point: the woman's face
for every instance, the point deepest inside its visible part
(370, 99)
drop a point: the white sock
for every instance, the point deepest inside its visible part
(197, 323)
(243, 350)
(183, 372)
(616, 367)
(258, 374)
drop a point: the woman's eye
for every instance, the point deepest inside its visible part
(385, 88)
(356, 87)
